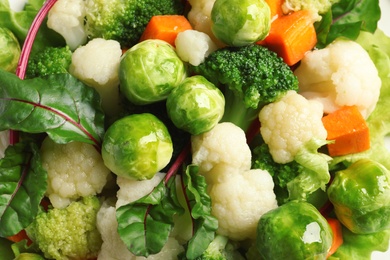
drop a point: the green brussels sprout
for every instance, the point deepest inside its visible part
(9, 50)
(295, 230)
(240, 22)
(149, 71)
(196, 105)
(361, 196)
(137, 146)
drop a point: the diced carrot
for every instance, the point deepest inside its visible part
(165, 27)
(335, 225)
(276, 8)
(349, 130)
(292, 35)
(22, 235)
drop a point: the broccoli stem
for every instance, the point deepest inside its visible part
(237, 112)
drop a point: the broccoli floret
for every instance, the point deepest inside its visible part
(250, 77)
(68, 233)
(281, 173)
(51, 60)
(125, 20)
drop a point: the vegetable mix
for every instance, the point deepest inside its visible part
(193, 129)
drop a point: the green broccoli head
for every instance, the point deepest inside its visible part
(68, 233)
(252, 72)
(51, 60)
(125, 20)
(281, 173)
(250, 77)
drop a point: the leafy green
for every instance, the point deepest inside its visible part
(60, 105)
(144, 225)
(199, 202)
(23, 185)
(20, 22)
(347, 18)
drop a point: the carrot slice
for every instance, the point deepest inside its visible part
(22, 235)
(292, 35)
(165, 27)
(347, 127)
(335, 225)
(276, 8)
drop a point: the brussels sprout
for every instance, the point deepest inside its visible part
(29, 256)
(137, 146)
(361, 196)
(9, 50)
(295, 230)
(196, 105)
(149, 71)
(240, 22)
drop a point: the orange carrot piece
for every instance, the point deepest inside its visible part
(276, 8)
(291, 36)
(347, 127)
(335, 225)
(165, 27)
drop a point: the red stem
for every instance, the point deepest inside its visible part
(26, 50)
(178, 162)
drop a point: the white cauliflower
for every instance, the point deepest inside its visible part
(74, 170)
(97, 65)
(17, 5)
(199, 17)
(240, 200)
(239, 195)
(66, 17)
(224, 145)
(287, 124)
(342, 74)
(316, 7)
(4, 142)
(193, 46)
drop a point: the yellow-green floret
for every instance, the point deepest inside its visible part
(68, 233)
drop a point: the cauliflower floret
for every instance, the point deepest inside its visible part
(74, 170)
(316, 7)
(226, 145)
(66, 17)
(97, 65)
(131, 190)
(287, 124)
(342, 74)
(193, 46)
(200, 18)
(113, 247)
(240, 200)
(4, 142)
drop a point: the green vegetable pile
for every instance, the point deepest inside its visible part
(156, 201)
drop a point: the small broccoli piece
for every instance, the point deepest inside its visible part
(281, 173)
(68, 233)
(250, 77)
(52, 60)
(125, 21)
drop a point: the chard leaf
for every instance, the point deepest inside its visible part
(199, 201)
(60, 105)
(23, 183)
(346, 19)
(145, 224)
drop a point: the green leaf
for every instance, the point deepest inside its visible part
(145, 224)
(346, 19)
(205, 224)
(60, 105)
(23, 183)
